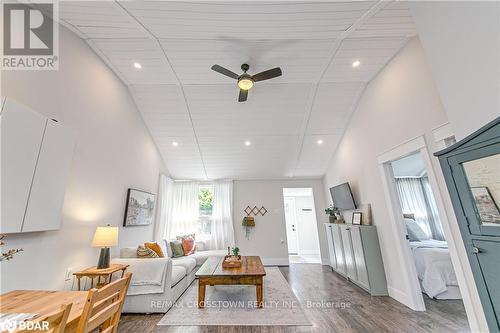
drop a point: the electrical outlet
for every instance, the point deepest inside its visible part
(68, 274)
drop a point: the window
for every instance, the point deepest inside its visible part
(205, 209)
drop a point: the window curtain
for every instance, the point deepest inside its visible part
(222, 231)
(178, 211)
(164, 199)
(415, 200)
(434, 221)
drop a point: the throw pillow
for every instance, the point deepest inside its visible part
(415, 233)
(144, 252)
(188, 245)
(177, 250)
(183, 236)
(155, 247)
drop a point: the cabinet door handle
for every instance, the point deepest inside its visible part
(476, 250)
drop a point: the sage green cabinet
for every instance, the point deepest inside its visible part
(471, 168)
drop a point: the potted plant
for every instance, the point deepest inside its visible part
(331, 212)
(236, 252)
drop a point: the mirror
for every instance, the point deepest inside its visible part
(483, 176)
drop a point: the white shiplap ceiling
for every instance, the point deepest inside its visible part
(181, 99)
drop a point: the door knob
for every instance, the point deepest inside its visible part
(476, 250)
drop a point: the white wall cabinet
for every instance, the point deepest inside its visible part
(357, 256)
(36, 159)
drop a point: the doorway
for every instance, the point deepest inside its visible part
(424, 231)
(301, 225)
(415, 155)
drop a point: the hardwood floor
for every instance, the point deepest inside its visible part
(360, 313)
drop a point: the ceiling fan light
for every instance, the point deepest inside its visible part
(245, 83)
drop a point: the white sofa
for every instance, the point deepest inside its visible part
(176, 274)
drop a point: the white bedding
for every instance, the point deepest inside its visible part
(434, 268)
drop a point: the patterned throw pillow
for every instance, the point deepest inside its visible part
(155, 247)
(144, 252)
(177, 250)
(188, 245)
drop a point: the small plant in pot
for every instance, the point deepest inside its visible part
(236, 252)
(331, 212)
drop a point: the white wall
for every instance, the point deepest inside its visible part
(268, 237)
(461, 40)
(113, 151)
(401, 103)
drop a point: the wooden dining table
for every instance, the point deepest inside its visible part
(44, 302)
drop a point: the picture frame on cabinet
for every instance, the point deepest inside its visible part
(357, 218)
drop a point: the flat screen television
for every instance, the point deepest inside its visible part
(342, 197)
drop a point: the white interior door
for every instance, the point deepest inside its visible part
(291, 226)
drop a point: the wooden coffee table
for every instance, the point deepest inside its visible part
(212, 273)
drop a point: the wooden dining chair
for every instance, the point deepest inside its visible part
(104, 306)
(56, 322)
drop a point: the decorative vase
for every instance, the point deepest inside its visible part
(331, 218)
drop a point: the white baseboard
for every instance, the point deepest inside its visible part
(275, 261)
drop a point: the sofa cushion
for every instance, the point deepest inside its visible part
(128, 252)
(188, 263)
(177, 250)
(178, 273)
(145, 252)
(201, 256)
(155, 247)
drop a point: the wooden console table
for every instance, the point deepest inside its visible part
(94, 272)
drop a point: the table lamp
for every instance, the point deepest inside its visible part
(105, 237)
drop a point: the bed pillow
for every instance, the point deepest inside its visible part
(415, 233)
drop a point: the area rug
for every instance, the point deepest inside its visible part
(236, 305)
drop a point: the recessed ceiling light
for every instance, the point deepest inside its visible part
(356, 63)
(137, 65)
(175, 143)
(248, 143)
(320, 142)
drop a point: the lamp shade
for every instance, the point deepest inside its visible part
(105, 237)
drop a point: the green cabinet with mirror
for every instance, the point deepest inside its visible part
(471, 168)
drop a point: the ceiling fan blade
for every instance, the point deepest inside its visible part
(225, 71)
(243, 95)
(266, 75)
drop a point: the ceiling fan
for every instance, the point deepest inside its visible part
(246, 81)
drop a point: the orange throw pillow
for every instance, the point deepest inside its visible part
(155, 247)
(188, 245)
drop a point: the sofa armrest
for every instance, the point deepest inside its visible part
(137, 264)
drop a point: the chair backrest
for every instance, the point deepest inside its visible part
(56, 321)
(103, 307)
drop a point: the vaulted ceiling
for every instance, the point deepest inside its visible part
(183, 101)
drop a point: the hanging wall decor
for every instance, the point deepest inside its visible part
(249, 220)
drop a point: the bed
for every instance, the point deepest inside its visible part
(434, 268)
